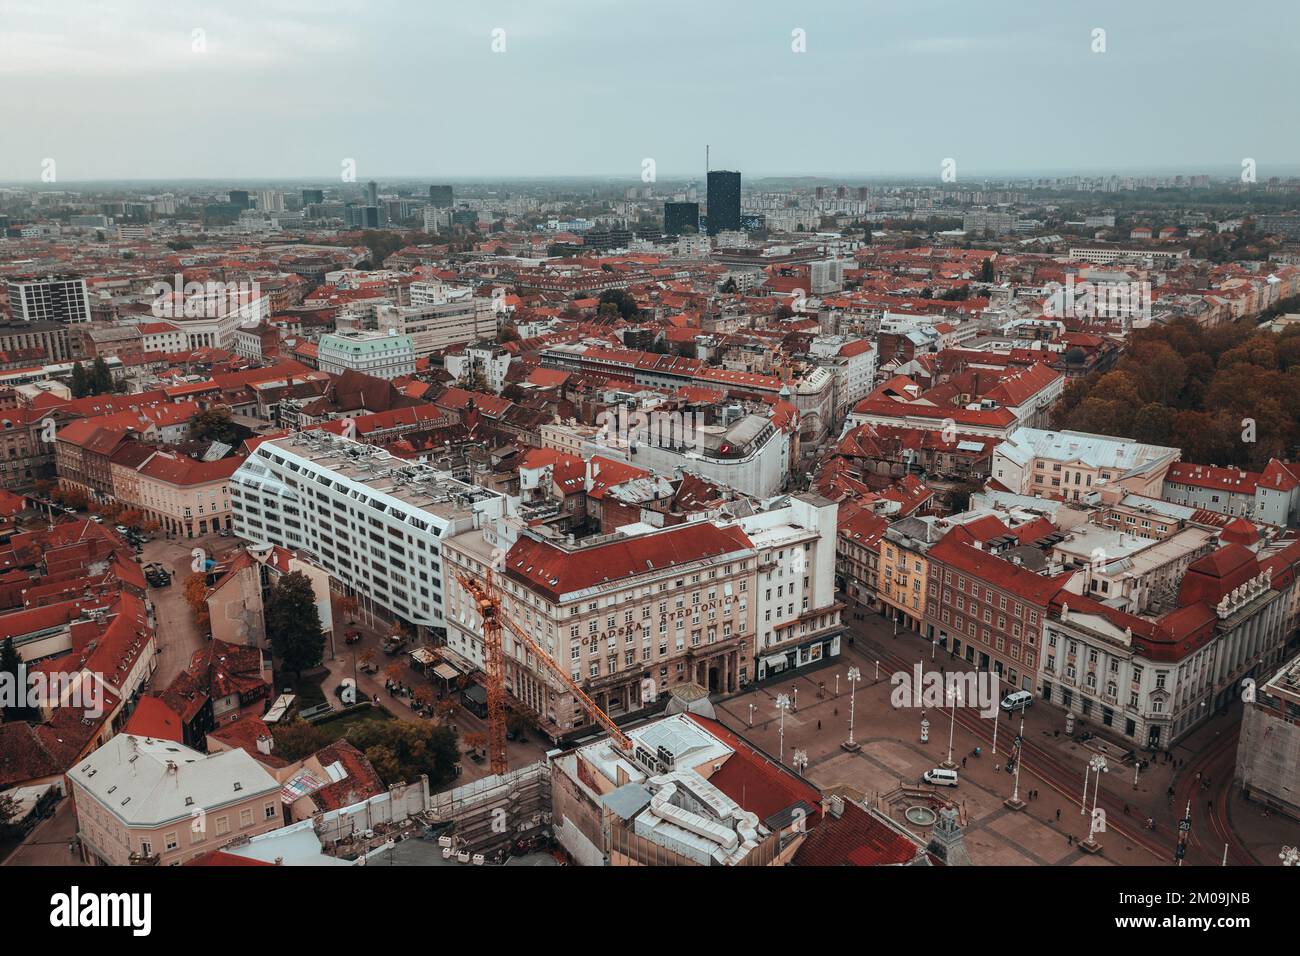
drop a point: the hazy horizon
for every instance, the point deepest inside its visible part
(285, 90)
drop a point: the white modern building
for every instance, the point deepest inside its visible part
(797, 618)
(376, 523)
(62, 299)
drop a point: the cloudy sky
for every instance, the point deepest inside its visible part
(142, 89)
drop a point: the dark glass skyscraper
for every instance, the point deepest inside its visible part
(681, 218)
(440, 196)
(723, 200)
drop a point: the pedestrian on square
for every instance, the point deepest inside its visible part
(963, 763)
(1058, 814)
(819, 725)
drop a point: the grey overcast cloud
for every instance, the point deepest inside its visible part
(115, 89)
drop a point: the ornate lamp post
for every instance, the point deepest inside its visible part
(1096, 824)
(954, 693)
(782, 705)
(800, 761)
(854, 676)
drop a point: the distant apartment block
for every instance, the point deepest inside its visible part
(61, 299)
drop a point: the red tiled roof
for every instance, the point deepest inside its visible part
(955, 551)
(555, 571)
(755, 781)
(153, 718)
(222, 858)
(855, 838)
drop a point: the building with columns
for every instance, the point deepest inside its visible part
(632, 614)
(1152, 680)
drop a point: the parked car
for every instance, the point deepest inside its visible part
(1019, 700)
(97, 519)
(352, 636)
(394, 643)
(123, 530)
(940, 777)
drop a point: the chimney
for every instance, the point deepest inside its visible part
(264, 744)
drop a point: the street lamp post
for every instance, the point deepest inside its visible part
(853, 677)
(954, 695)
(837, 686)
(1017, 750)
(751, 715)
(782, 705)
(996, 715)
(1097, 765)
(800, 761)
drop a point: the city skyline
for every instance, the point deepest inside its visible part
(184, 92)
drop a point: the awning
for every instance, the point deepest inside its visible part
(446, 672)
(775, 662)
(423, 656)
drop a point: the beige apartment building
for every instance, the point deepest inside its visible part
(158, 802)
(1071, 466)
(186, 497)
(630, 615)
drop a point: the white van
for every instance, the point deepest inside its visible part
(940, 777)
(1017, 701)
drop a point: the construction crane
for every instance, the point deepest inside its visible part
(487, 600)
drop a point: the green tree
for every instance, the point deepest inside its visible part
(80, 381)
(401, 750)
(101, 379)
(293, 623)
(296, 739)
(215, 424)
(9, 667)
(627, 306)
